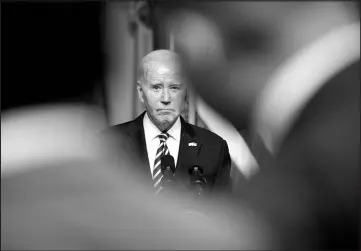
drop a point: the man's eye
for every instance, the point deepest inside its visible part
(175, 88)
(156, 87)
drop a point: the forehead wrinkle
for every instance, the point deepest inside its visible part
(163, 70)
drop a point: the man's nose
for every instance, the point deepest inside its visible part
(165, 99)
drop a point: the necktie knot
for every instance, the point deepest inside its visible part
(163, 137)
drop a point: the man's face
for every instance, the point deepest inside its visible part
(163, 93)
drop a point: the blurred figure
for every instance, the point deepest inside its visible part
(290, 73)
(160, 130)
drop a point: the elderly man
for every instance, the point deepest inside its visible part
(160, 130)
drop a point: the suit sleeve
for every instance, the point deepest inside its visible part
(223, 182)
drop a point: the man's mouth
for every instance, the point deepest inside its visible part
(166, 111)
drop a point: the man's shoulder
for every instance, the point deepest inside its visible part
(118, 127)
(206, 135)
(125, 126)
(118, 130)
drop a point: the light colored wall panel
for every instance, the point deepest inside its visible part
(120, 50)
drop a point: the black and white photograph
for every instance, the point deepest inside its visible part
(180, 125)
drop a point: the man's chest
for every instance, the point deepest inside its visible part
(155, 148)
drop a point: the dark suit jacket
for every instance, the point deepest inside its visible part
(311, 190)
(211, 153)
(81, 202)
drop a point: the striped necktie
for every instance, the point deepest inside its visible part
(162, 150)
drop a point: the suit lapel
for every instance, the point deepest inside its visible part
(189, 149)
(136, 133)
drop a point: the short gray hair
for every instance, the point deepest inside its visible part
(157, 55)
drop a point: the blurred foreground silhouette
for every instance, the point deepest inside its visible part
(289, 73)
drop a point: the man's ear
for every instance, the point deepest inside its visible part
(140, 92)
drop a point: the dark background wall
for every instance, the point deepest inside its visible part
(50, 51)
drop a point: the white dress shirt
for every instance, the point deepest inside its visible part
(299, 78)
(152, 141)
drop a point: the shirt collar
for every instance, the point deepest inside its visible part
(151, 131)
(296, 81)
(175, 130)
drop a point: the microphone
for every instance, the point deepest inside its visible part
(197, 180)
(168, 170)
